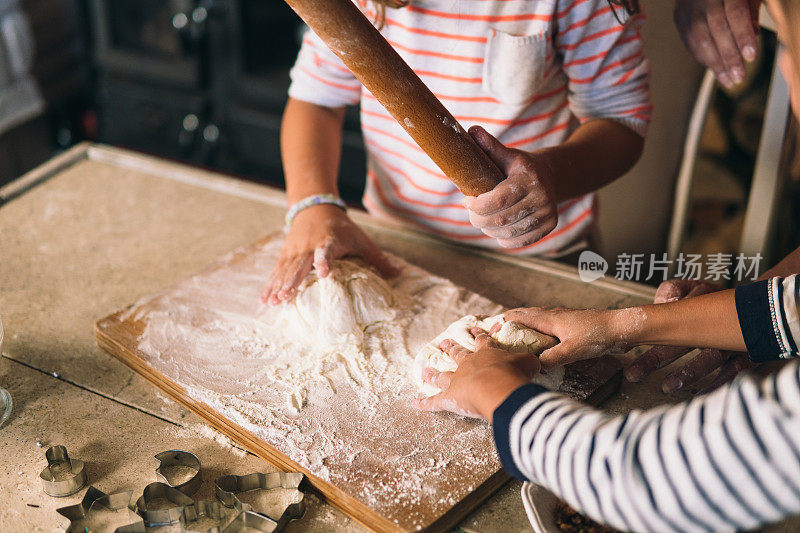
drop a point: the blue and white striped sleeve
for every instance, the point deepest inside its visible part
(768, 316)
(722, 462)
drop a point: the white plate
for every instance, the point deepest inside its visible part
(540, 506)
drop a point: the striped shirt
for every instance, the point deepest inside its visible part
(528, 71)
(726, 461)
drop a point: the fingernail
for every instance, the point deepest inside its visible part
(725, 80)
(467, 201)
(738, 75)
(749, 53)
(671, 384)
(634, 374)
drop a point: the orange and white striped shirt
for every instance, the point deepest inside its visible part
(528, 71)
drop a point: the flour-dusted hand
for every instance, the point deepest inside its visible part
(319, 235)
(522, 208)
(582, 333)
(703, 364)
(721, 34)
(483, 379)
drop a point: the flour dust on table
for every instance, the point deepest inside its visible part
(511, 336)
(326, 378)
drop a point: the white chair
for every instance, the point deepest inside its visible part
(759, 222)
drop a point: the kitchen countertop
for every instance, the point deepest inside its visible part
(97, 228)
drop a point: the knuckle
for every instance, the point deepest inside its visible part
(499, 220)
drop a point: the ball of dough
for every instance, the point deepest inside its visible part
(334, 310)
(512, 336)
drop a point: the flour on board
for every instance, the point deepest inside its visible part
(325, 379)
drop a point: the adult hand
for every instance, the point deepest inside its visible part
(582, 333)
(483, 380)
(319, 235)
(721, 34)
(522, 208)
(702, 365)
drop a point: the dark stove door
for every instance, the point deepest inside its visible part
(158, 40)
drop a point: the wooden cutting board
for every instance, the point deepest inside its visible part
(396, 488)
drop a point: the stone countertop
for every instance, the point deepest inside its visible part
(98, 228)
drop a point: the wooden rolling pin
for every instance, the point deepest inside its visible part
(360, 46)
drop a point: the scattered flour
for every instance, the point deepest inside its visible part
(325, 379)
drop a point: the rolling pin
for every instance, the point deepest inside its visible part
(361, 47)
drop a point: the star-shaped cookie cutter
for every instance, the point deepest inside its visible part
(159, 515)
(97, 498)
(227, 487)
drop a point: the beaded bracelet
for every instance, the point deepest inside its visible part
(311, 201)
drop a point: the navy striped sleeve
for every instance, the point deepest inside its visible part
(502, 421)
(768, 316)
(726, 461)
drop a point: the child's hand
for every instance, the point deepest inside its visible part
(521, 209)
(319, 235)
(483, 379)
(583, 333)
(703, 364)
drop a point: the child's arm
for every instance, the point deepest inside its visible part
(311, 138)
(607, 74)
(311, 145)
(726, 461)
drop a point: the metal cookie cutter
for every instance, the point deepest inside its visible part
(161, 505)
(96, 498)
(202, 509)
(226, 488)
(62, 476)
(249, 521)
(179, 458)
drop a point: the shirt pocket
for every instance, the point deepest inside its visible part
(514, 65)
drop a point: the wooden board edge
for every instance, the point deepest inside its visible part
(341, 500)
(606, 390)
(461, 510)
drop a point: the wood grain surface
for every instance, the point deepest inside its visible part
(444, 499)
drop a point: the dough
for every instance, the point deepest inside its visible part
(511, 336)
(335, 310)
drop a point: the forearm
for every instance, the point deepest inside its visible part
(311, 145)
(709, 321)
(786, 267)
(596, 153)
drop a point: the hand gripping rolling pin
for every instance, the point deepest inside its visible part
(361, 47)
